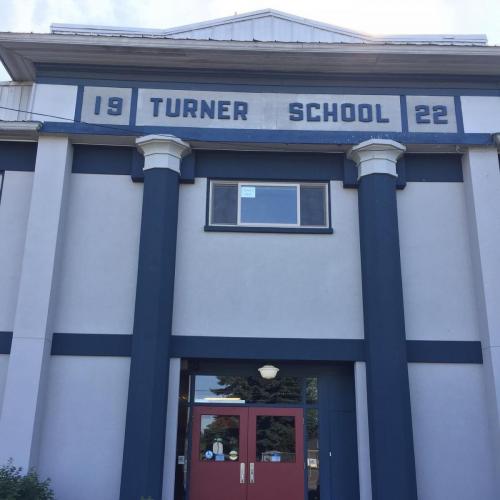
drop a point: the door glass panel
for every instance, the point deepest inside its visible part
(312, 432)
(311, 390)
(240, 390)
(275, 439)
(219, 438)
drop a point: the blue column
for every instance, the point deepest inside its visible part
(389, 412)
(143, 453)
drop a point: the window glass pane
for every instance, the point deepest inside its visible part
(312, 431)
(311, 390)
(275, 439)
(224, 203)
(219, 438)
(268, 204)
(312, 206)
(233, 389)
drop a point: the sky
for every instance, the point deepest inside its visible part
(370, 16)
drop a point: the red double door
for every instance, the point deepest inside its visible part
(247, 454)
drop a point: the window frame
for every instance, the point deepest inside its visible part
(269, 226)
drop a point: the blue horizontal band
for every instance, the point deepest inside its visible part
(95, 344)
(419, 351)
(267, 136)
(283, 230)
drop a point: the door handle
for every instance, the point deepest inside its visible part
(252, 473)
(242, 473)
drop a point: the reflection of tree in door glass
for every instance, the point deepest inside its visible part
(219, 438)
(258, 390)
(275, 439)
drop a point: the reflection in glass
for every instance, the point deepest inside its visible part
(275, 439)
(312, 433)
(311, 390)
(230, 389)
(268, 204)
(219, 438)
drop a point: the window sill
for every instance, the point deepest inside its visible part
(261, 229)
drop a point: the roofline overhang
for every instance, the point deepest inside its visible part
(21, 52)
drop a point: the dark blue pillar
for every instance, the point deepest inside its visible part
(389, 412)
(142, 469)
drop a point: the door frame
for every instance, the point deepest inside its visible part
(339, 479)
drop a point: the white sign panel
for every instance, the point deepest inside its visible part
(208, 109)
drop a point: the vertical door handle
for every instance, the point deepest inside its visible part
(242, 473)
(252, 473)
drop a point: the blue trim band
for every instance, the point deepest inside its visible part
(98, 344)
(443, 351)
(18, 156)
(282, 230)
(267, 348)
(268, 136)
(5, 342)
(79, 104)
(354, 89)
(459, 114)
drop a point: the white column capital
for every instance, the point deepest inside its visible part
(376, 156)
(162, 151)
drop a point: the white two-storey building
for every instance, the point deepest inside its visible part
(256, 258)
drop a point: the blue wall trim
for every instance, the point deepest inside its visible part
(18, 156)
(267, 348)
(279, 87)
(98, 344)
(252, 165)
(282, 230)
(443, 351)
(119, 160)
(433, 168)
(110, 160)
(5, 342)
(268, 136)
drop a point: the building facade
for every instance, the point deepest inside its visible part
(256, 257)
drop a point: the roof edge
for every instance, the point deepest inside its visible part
(83, 29)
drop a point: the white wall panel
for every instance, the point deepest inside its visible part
(98, 273)
(452, 440)
(54, 103)
(83, 426)
(268, 285)
(436, 263)
(14, 209)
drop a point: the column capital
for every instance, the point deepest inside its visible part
(162, 151)
(376, 156)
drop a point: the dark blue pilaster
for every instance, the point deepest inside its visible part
(389, 411)
(142, 470)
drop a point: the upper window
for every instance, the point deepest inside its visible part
(270, 204)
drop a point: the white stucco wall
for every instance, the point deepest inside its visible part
(98, 267)
(268, 285)
(453, 449)
(436, 264)
(14, 209)
(83, 427)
